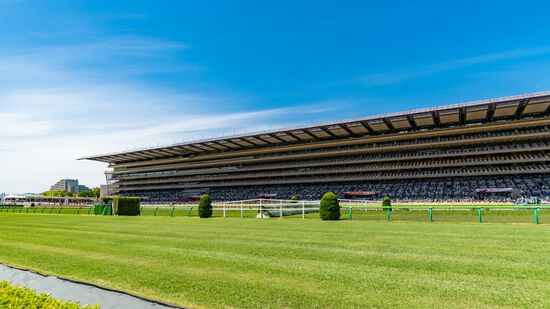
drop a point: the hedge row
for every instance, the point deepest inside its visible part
(123, 205)
(16, 297)
(10, 206)
(126, 206)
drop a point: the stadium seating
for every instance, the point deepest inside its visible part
(439, 158)
(446, 189)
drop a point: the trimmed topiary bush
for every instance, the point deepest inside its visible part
(330, 207)
(294, 199)
(126, 206)
(386, 203)
(205, 206)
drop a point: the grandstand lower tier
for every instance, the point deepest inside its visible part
(494, 188)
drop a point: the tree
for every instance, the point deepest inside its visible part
(58, 193)
(205, 206)
(96, 191)
(330, 207)
(386, 203)
(90, 193)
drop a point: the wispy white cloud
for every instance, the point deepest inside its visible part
(21, 125)
(387, 78)
(54, 110)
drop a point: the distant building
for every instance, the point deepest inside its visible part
(69, 185)
(82, 188)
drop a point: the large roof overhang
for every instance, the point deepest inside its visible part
(500, 109)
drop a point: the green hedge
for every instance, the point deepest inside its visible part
(386, 203)
(126, 206)
(24, 298)
(205, 206)
(10, 206)
(330, 207)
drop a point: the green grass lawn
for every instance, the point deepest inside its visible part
(291, 262)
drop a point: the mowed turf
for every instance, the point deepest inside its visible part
(291, 262)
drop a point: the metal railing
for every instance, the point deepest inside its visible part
(351, 210)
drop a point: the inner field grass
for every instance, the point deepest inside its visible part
(289, 263)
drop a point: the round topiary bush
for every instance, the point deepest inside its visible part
(386, 203)
(330, 207)
(205, 206)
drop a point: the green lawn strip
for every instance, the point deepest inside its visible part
(268, 263)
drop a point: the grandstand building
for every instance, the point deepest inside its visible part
(498, 148)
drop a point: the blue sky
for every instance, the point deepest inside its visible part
(86, 77)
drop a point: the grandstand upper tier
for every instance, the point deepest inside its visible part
(446, 152)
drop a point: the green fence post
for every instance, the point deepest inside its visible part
(78, 211)
(21, 209)
(479, 218)
(61, 208)
(389, 215)
(172, 212)
(350, 213)
(536, 213)
(190, 210)
(90, 210)
(431, 215)
(155, 213)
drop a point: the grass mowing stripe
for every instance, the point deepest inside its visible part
(348, 253)
(290, 263)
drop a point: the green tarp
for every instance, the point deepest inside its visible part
(103, 210)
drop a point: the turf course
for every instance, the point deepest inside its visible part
(289, 263)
